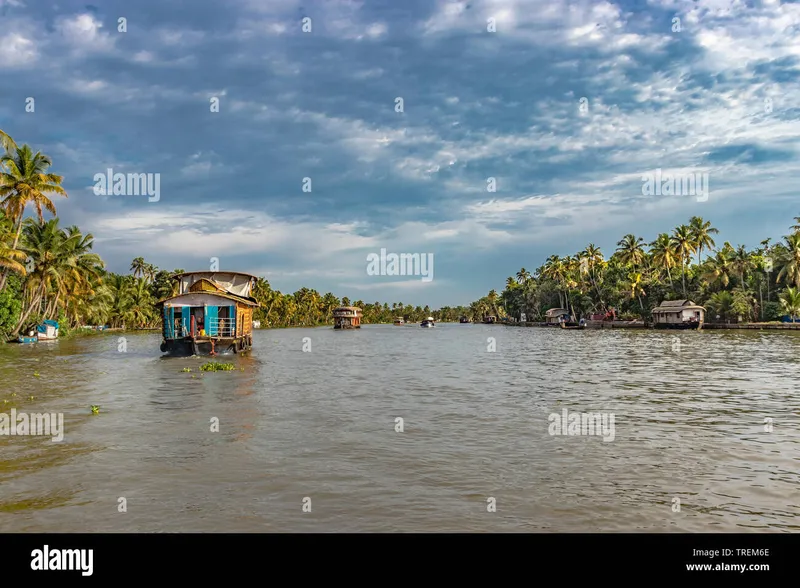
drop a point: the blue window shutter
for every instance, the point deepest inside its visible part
(212, 317)
(186, 314)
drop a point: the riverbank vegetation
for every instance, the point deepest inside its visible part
(48, 271)
(733, 283)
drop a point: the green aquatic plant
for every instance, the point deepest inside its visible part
(213, 366)
(32, 398)
(35, 374)
(95, 409)
(186, 369)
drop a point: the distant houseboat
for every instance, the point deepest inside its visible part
(490, 320)
(428, 322)
(463, 319)
(256, 324)
(678, 314)
(555, 316)
(399, 321)
(347, 317)
(211, 314)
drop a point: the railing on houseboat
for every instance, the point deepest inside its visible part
(220, 327)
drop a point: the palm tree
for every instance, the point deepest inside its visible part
(791, 260)
(629, 250)
(47, 247)
(523, 275)
(719, 270)
(683, 244)
(635, 288)
(742, 263)
(593, 260)
(795, 227)
(721, 304)
(24, 180)
(138, 267)
(10, 259)
(140, 312)
(701, 232)
(663, 254)
(6, 142)
(790, 302)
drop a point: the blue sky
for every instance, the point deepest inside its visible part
(718, 96)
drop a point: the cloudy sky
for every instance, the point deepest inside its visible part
(566, 104)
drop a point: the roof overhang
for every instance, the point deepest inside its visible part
(225, 295)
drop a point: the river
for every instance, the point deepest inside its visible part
(705, 433)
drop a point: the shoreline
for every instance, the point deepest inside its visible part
(705, 327)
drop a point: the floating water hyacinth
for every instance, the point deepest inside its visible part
(95, 409)
(213, 366)
(186, 369)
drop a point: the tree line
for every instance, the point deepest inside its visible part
(734, 283)
(51, 272)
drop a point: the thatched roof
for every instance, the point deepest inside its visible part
(347, 311)
(226, 295)
(556, 312)
(177, 276)
(674, 303)
(677, 306)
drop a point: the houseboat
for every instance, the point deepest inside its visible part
(678, 314)
(399, 321)
(489, 320)
(212, 314)
(463, 320)
(555, 316)
(347, 317)
(428, 323)
(573, 325)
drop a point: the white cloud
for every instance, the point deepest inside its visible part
(17, 50)
(83, 34)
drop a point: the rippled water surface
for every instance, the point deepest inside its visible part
(689, 411)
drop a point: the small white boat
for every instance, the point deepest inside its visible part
(47, 331)
(399, 321)
(428, 322)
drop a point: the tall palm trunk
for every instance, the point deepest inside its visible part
(17, 233)
(54, 306)
(34, 303)
(683, 275)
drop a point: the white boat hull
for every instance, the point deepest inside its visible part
(50, 335)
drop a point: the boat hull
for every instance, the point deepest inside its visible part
(346, 327)
(427, 325)
(679, 326)
(203, 346)
(25, 340)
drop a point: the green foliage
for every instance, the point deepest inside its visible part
(213, 366)
(10, 306)
(772, 311)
